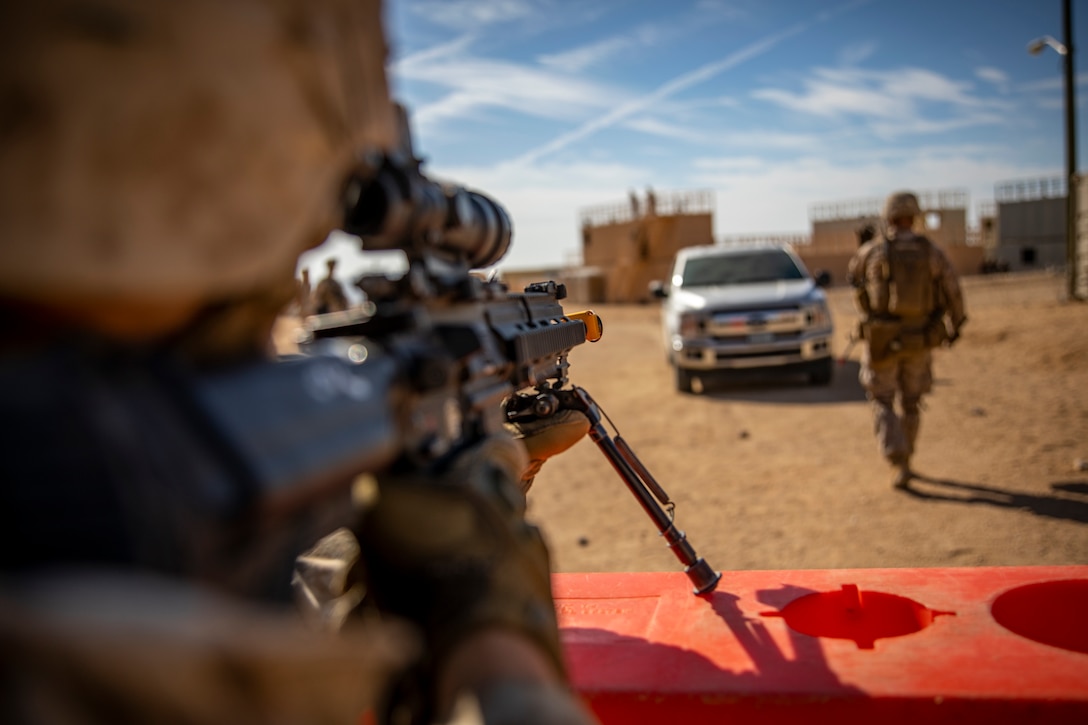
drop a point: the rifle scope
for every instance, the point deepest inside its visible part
(399, 208)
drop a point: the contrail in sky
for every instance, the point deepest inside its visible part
(675, 85)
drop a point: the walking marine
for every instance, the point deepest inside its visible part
(909, 299)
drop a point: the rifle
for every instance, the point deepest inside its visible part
(435, 362)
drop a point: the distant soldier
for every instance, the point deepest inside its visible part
(905, 289)
(865, 234)
(329, 295)
(303, 294)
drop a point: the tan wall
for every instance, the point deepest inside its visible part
(586, 287)
(834, 263)
(605, 245)
(965, 260)
(840, 235)
(952, 231)
(517, 281)
(632, 254)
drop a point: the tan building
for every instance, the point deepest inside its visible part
(835, 225)
(626, 246)
(1032, 223)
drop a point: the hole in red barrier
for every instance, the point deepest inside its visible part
(1053, 613)
(861, 616)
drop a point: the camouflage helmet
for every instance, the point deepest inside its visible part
(157, 156)
(901, 205)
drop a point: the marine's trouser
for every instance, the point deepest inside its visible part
(908, 374)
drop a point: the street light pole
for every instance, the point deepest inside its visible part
(1066, 51)
(1070, 149)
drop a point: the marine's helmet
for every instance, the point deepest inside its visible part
(900, 205)
(155, 156)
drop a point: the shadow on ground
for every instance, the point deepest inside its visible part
(758, 386)
(1069, 508)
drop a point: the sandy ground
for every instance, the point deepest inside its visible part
(778, 474)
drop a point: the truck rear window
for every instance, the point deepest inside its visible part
(754, 267)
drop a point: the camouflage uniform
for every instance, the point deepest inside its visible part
(896, 359)
(162, 167)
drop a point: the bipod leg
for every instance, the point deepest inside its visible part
(646, 490)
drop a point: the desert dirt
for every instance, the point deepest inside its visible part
(778, 474)
(774, 473)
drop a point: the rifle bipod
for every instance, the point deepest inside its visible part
(651, 496)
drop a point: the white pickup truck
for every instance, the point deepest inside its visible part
(745, 306)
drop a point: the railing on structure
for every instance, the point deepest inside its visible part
(791, 238)
(1053, 187)
(858, 208)
(670, 204)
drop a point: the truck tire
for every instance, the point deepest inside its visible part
(822, 372)
(683, 379)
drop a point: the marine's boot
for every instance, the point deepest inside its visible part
(903, 474)
(901, 464)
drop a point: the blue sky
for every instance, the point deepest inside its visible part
(550, 106)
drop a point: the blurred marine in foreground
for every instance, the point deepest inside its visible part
(910, 302)
(163, 165)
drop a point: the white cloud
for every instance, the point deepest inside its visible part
(894, 102)
(420, 59)
(833, 92)
(896, 127)
(857, 52)
(993, 75)
(829, 100)
(682, 82)
(475, 84)
(472, 14)
(657, 127)
(661, 30)
(578, 59)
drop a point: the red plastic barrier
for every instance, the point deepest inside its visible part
(873, 646)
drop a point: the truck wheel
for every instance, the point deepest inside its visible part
(683, 380)
(822, 372)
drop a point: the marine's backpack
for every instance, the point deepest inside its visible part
(908, 278)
